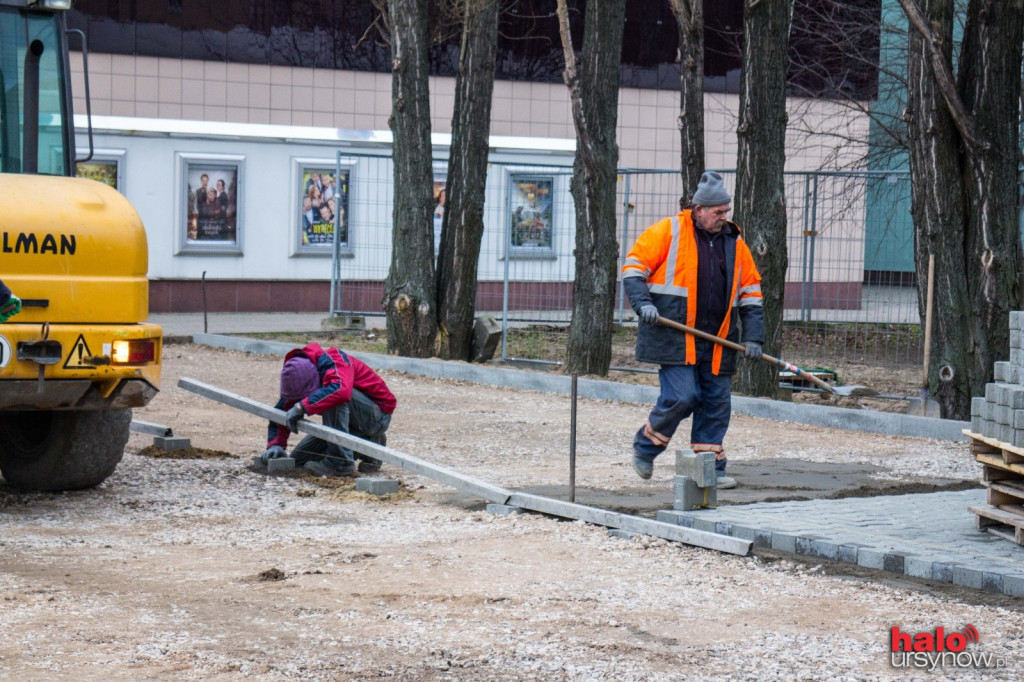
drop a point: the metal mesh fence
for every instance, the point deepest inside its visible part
(851, 300)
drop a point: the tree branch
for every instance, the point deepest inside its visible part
(382, 24)
(572, 81)
(943, 75)
(683, 9)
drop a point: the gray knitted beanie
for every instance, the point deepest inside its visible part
(710, 191)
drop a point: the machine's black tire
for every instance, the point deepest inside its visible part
(62, 450)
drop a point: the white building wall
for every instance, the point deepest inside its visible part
(822, 133)
(254, 110)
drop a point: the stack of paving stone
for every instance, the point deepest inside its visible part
(997, 441)
(999, 415)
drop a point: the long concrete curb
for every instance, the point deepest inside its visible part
(477, 487)
(776, 410)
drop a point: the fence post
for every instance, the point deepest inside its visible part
(506, 253)
(803, 269)
(335, 306)
(813, 234)
(807, 277)
(623, 247)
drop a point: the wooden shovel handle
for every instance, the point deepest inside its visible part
(740, 347)
(928, 321)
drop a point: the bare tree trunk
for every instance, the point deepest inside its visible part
(690, 17)
(462, 226)
(594, 93)
(760, 186)
(963, 164)
(990, 67)
(938, 215)
(409, 292)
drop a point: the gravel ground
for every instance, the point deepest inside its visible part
(202, 569)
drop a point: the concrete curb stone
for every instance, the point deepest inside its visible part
(820, 415)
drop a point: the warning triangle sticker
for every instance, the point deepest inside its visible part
(79, 352)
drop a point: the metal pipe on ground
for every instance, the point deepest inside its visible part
(475, 486)
(149, 428)
(441, 474)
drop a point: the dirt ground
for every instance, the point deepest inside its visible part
(192, 565)
(884, 366)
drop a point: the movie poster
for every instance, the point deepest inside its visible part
(439, 201)
(101, 170)
(532, 211)
(323, 203)
(211, 199)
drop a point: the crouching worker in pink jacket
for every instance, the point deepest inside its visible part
(348, 396)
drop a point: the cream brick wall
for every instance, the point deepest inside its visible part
(152, 87)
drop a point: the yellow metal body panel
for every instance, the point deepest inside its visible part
(75, 252)
(85, 353)
(76, 245)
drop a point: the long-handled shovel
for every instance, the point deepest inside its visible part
(928, 406)
(835, 390)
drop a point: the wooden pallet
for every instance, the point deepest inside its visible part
(999, 522)
(983, 445)
(1003, 474)
(795, 382)
(1008, 493)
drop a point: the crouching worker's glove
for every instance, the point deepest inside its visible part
(293, 417)
(648, 314)
(273, 452)
(753, 349)
(11, 308)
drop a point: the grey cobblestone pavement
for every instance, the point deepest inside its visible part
(928, 535)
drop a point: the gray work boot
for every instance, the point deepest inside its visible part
(644, 468)
(369, 465)
(327, 468)
(723, 482)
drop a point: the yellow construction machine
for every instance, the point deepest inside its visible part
(78, 356)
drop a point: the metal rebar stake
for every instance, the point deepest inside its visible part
(572, 443)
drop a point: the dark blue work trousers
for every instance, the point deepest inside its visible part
(688, 390)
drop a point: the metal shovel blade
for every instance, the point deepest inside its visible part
(854, 391)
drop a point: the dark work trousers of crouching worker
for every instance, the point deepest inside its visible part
(360, 417)
(686, 390)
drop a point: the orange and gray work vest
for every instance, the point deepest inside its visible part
(661, 269)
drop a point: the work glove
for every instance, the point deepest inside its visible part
(753, 349)
(648, 314)
(10, 309)
(273, 452)
(294, 415)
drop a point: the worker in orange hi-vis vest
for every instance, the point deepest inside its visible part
(693, 268)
